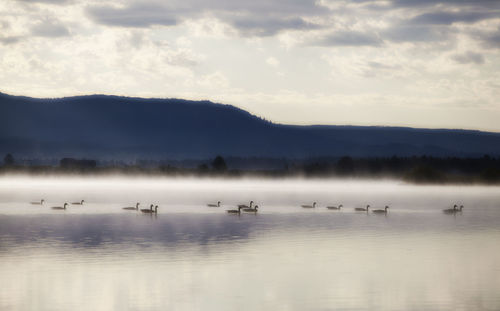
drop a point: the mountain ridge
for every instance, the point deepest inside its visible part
(110, 126)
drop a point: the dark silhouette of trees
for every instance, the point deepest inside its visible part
(345, 165)
(8, 160)
(219, 164)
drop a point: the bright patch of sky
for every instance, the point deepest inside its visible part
(414, 63)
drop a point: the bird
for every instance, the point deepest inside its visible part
(234, 211)
(362, 209)
(150, 210)
(309, 206)
(251, 210)
(246, 206)
(450, 210)
(381, 211)
(59, 207)
(334, 207)
(78, 203)
(460, 209)
(132, 208)
(38, 203)
(214, 205)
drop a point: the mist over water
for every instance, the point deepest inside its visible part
(192, 257)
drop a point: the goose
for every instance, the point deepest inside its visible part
(246, 206)
(59, 207)
(150, 210)
(214, 205)
(251, 210)
(309, 206)
(334, 207)
(132, 208)
(38, 203)
(381, 211)
(362, 209)
(450, 210)
(234, 211)
(78, 203)
(147, 210)
(460, 209)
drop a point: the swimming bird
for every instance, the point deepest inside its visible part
(38, 203)
(381, 211)
(132, 208)
(450, 210)
(150, 210)
(59, 207)
(246, 206)
(460, 209)
(78, 203)
(214, 205)
(362, 209)
(334, 207)
(234, 211)
(309, 206)
(251, 210)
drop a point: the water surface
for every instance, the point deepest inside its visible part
(192, 257)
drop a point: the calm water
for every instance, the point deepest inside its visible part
(192, 257)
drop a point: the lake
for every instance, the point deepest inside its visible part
(97, 256)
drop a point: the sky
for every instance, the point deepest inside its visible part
(417, 63)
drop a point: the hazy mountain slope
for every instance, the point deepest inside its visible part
(121, 127)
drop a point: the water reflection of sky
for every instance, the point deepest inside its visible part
(191, 257)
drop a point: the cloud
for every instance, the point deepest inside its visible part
(413, 33)
(468, 57)
(489, 39)
(349, 38)
(266, 26)
(136, 15)
(10, 40)
(49, 28)
(273, 62)
(448, 18)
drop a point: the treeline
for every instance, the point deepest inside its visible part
(418, 169)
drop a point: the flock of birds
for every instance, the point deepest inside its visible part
(250, 208)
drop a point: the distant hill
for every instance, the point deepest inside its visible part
(112, 127)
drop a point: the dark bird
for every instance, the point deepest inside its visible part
(381, 211)
(78, 203)
(38, 203)
(334, 207)
(60, 207)
(214, 205)
(132, 208)
(309, 206)
(450, 210)
(251, 210)
(234, 211)
(150, 210)
(362, 209)
(246, 206)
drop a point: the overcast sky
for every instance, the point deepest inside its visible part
(418, 63)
